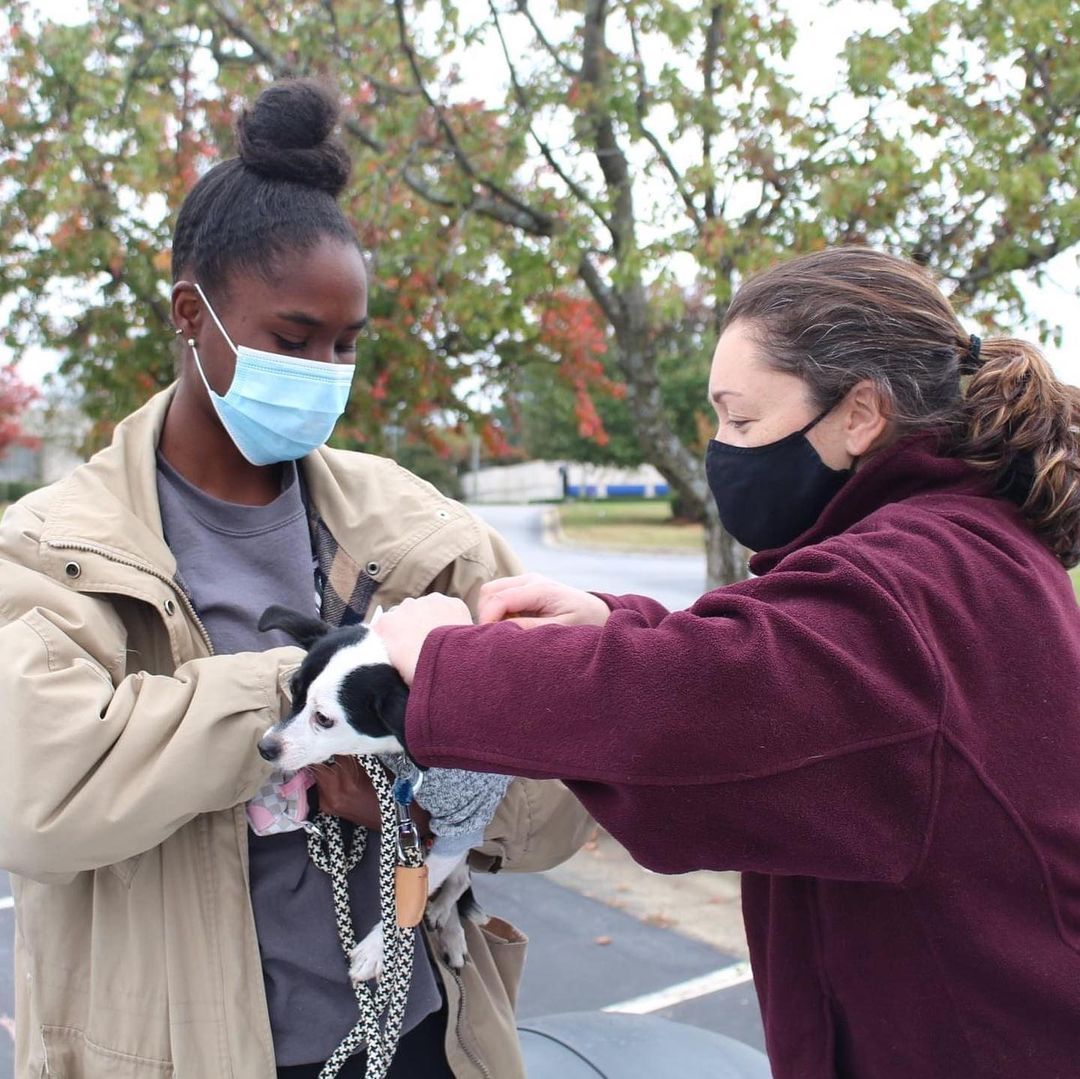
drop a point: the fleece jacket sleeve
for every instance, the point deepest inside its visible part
(786, 724)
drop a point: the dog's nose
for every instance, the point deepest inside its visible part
(270, 748)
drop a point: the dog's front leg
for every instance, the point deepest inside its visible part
(366, 960)
(443, 917)
(441, 865)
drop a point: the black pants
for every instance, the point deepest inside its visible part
(420, 1055)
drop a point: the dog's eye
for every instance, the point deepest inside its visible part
(322, 720)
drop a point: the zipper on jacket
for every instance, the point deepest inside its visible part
(67, 545)
(458, 1025)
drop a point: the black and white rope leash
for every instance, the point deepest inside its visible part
(381, 1010)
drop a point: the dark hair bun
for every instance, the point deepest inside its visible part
(286, 135)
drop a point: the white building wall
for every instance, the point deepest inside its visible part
(542, 481)
(60, 432)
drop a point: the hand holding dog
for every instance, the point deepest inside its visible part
(405, 628)
(345, 791)
(532, 600)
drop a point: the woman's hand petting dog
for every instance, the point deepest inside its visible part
(532, 600)
(345, 791)
(405, 628)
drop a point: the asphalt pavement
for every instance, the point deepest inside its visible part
(583, 954)
(676, 580)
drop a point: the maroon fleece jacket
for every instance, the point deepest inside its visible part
(882, 730)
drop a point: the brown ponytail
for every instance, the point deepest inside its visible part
(1023, 425)
(841, 316)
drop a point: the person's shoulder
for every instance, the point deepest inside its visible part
(23, 522)
(930, 543)
(361, 493)
(968, 521)
(358, 473)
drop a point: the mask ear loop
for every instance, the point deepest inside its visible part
(195, 351)
(217, 321)
(199, 367)
(817, 419)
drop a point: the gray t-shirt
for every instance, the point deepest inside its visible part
(235, 561)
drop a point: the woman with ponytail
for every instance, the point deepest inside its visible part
(881, 728)
(170, 920)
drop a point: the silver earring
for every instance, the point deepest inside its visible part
(191, 342)
(178, 331)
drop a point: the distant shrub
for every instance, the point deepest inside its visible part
(13, 490)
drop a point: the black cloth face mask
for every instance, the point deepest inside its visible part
(768, 495)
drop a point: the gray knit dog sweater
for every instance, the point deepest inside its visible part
(461, 803)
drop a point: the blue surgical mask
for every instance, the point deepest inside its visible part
(278, 408)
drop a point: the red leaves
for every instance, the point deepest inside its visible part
(574, 328)
(589, 423)
(72, 226)
(494, 439)
(379, 389)
(15, 395)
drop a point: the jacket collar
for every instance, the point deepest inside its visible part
(377, 512)
(111, 502)
(913, 465)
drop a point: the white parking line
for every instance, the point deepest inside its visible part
(7, 902)
(724, 978)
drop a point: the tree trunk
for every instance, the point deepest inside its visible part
(725, 558)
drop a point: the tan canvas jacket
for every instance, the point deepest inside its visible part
(130, 751)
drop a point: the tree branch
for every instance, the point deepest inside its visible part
(519, 93)
(609, 155)
(227, 13)
(344, 54)
(523, 9)
(540, 223)
(642, 106)
(981, 271)
(713, 40)
(598, 289)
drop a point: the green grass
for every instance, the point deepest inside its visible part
(1075, 575)
(628, 525)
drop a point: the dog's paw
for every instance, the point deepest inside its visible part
(441, 909)
(366, 960)
(442, 904)
(448, 940)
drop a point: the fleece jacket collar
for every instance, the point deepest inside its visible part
(910, 466)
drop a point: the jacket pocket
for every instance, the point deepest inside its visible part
(507, 946)
(69, 1054)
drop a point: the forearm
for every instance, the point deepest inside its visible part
(97, 773)
(752, 722)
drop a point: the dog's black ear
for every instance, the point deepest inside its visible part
(391, 701)
(303, 629)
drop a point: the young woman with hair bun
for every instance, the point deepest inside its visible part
(881, 728)
(169, 919)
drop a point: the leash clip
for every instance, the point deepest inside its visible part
(313, 829)
(409, 843)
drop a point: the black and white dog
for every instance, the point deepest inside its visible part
(347, 699)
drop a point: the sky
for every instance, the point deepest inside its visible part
(822, 29)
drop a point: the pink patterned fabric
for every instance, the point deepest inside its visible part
(281, 804)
